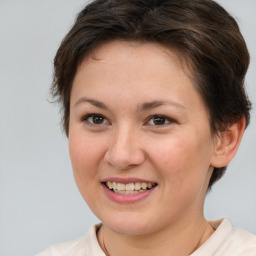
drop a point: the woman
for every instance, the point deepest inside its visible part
(154, 108)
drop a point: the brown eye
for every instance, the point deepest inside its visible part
(95, 119)
(159, 120)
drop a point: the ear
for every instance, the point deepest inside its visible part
(227, 144)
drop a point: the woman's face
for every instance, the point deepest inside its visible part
(136, 121)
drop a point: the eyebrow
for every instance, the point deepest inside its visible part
(158, 103)
(145, 106)
(95, 103)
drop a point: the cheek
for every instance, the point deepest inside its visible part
(86, 155)
(182, 161)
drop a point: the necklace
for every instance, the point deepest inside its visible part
(105, 249)
(196, 247)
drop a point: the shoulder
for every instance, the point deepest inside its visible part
(242, 241)
(73, 247)
(226, 241)
(84, 246)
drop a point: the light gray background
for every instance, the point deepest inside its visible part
(39, 202)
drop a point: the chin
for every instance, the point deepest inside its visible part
(130, 224)
(128, 229)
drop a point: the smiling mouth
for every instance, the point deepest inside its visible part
(130, 188)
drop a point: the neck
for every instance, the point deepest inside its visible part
(180, 239)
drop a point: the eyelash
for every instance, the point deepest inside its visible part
(94, 115)
(159, 117)
(163, 117)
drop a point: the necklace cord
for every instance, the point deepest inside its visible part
(200, 240)
(105, 249)
(197, 246)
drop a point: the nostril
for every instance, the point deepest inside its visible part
(124, 159)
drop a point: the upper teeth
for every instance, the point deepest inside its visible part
(129, 186)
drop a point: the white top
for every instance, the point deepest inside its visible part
(225, 241)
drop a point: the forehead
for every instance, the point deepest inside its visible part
(134, 72)
(111, 49)
(133, 59)
(130, 62)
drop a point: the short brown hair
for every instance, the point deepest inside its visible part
(201, 31)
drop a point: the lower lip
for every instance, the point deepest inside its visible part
(126, 199)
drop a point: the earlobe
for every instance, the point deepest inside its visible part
(227, 144)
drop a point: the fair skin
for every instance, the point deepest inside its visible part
(135, 116)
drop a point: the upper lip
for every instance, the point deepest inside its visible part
(126, 180)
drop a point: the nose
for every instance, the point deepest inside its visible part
(125, 150)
